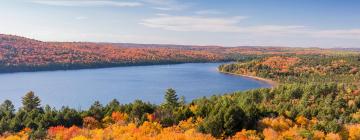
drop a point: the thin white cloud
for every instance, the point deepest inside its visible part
(190, 23)
(275, 29)
(162, 14)
(87, 3)
(160, 2)
(163, 8)
(81, 18)
(209, 12)
(339, 33)
(168, 5)
(233, 25)
(211, 24)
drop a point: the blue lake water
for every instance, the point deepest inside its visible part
(80, 88)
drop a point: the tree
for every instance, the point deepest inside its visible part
(171, 99)
(182, 101)
(30, 101)
(213, 124)
(6, 114)
(234, 120)
(139, 109)
(111, 107)
(48, 118)
(97, 110)
(17, 123)
(68, 117)
(90, 122)
(7, 109)
(169, 109)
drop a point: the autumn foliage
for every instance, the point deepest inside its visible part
(273, 129)
(300, 68)
(23, 54)
(148, 130)
(281, 63)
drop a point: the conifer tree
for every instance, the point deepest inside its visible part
(171, 98)
(30, 101)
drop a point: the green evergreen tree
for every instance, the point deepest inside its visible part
(97, 110)
(6, 114)
(171, 98)
(30, 101)
(7, 109)
(111, 107)
(234, 119)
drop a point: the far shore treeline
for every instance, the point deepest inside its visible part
(19, 54)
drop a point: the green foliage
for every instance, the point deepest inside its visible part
(30, 102)
(234, 120)
(6, 114)
(171, 99)
(96, 110)
(173, 110)
(113, 106)
(139, 109)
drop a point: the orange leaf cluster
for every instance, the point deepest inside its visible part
(280, 62)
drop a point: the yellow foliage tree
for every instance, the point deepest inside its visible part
(354, 131)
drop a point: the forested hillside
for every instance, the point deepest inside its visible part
(301, 68)
(23, 54)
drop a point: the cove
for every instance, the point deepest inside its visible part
(80, 88)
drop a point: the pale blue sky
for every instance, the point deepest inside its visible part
(299, 23)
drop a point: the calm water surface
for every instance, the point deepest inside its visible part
(80, 88)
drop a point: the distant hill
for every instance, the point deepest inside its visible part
(134, 45)
(24, 54)
(348, 49)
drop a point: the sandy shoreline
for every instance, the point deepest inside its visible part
(271, 82)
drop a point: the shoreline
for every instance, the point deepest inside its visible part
(45, 69)
(268, 81)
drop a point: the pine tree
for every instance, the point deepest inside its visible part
(171, 98)
(6, 114)
(111, 107)
(30, 101)
(97, 110)
(7, 109)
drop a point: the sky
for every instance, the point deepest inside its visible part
(292, 23)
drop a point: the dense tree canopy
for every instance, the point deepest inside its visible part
(22, 54)
(301, 68)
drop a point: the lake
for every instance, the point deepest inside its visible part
(80, 88)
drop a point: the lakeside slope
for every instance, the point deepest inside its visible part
(20, 54)
(268, 81)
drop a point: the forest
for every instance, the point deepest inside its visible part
(300, 68)
(19, 54)
(317, 97)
